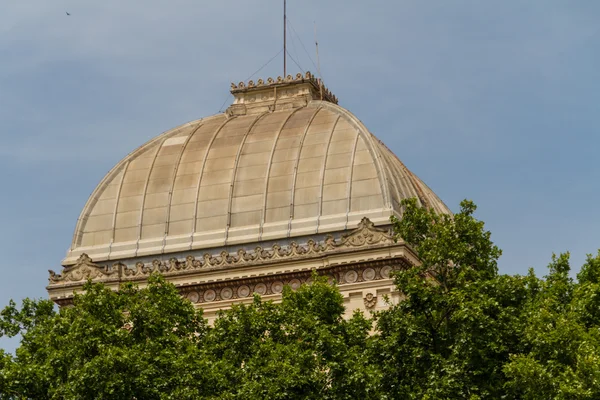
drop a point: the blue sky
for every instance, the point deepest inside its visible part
(495, 101)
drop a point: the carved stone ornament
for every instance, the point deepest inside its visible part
(370, 300)
(226, 293)
(365, 235)
(369, 274)
(83, 269)
(277, 287)
(193, 296)
(210, 295)
(243, 291)
(260, 288)
(351, 276)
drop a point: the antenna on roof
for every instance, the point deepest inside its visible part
(284, 39)
(318, 62)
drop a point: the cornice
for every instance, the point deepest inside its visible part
(367, 253)
(364, 236)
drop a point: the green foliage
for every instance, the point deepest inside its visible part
(461, 330)
(459, 319)
(561, 337)
(151, 343)
(86, 351)
(450, 247)
(464, 331)
(299, 349)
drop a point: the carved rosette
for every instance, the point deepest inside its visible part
(226, 293)
(369, 274)
(260, 288)
(351, 276)
(193, 296)
(277, 287)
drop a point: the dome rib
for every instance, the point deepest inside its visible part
(349, 192)
(399, 179)
(245, 178)
(145, 195)
(367, 136)
(401, 182)
(268, 173)
(295, 171)
(235, 170)
(201, 174)
(77, 237)
(174, 178)
(401, 170)
(322, 176)
(114, 221)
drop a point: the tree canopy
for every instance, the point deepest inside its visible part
(461, 330)
(151, 343)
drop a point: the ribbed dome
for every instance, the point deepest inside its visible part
(234, 179)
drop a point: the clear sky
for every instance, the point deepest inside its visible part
(495, 101)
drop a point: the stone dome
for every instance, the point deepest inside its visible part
(283, 161)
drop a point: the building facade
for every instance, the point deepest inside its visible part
(282, 183)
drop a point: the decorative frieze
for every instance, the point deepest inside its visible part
(354, 261)
(273, 285)
(365, 235)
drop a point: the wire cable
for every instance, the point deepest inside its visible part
(295, 50)
(255, 72)
(303, 46)
(295, 62)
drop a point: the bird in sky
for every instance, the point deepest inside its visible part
(67, 13)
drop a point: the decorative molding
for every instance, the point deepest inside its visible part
(365, 235)
(308, 77)
(214, 292)
(83, 269)
(210, 292)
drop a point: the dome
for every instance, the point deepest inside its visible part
(283, 161)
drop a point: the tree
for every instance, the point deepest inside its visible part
(465, 331)
(151, 343)
(459, 320)
(299, 349)
(108, 345)
(462, 330)
(561, 336)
